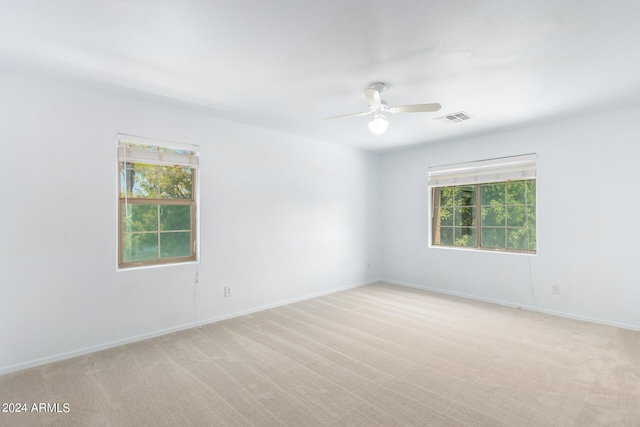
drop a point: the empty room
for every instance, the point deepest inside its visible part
(337, 213)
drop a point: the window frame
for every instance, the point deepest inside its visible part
(478, 227)
(503, 170)
(123, 143)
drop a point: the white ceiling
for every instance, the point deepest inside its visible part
(287, 64)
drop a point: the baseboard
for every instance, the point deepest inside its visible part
(511, 304)
(280, 304)
(92, 349)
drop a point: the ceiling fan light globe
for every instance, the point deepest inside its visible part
(379, 124)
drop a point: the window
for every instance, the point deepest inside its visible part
(156, 202)
(489, 205)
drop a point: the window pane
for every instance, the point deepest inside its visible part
(517, 238)
(146, 177)
(126, 181)
(176, 182)
(140, 217)
(516, 193)
(532, 238)
(446, 236)
(465, 216)
(517, 216)
(152, 181)
(141, 180)
(531, 215)
(493, 194)
(465, 236)
(530, 186)
(175, 245)
(446, 195)
(465, 196)
(175, 217)
(521, 239)
(493, 216)
(139, 247)
(492, 237)
(446, 216)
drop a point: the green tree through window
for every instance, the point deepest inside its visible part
(492, 216)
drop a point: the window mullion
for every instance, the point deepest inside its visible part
(436, 229)
(478, 215)
(506, 215)
(158, 235)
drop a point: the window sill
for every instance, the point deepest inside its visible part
(492, 251)
(152, 266)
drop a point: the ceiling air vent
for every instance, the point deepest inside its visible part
(460, 116)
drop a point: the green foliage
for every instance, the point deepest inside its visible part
(507, 214)
(175, 245)
(156, 182)
(465, 236)
(155, 229)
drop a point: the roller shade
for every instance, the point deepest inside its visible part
(484, 171)
(135, 149)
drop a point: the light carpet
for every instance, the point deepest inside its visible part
(378, 355)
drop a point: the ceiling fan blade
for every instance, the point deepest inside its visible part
(348, 115)
(373, 96)
(416, 108)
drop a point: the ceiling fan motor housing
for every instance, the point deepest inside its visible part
(379, 86)
(382, 107)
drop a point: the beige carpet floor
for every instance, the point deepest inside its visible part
(379, 355)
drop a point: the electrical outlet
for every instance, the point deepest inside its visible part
(555, 289)
(227, 292)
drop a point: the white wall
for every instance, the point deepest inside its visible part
(282, 218)
(588, 205)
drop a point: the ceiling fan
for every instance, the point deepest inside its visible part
(377, 107)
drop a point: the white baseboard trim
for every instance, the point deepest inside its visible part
(92, 349)
(279, 304)
(514, 305)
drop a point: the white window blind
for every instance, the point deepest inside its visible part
(484, 171)
(136, 149)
